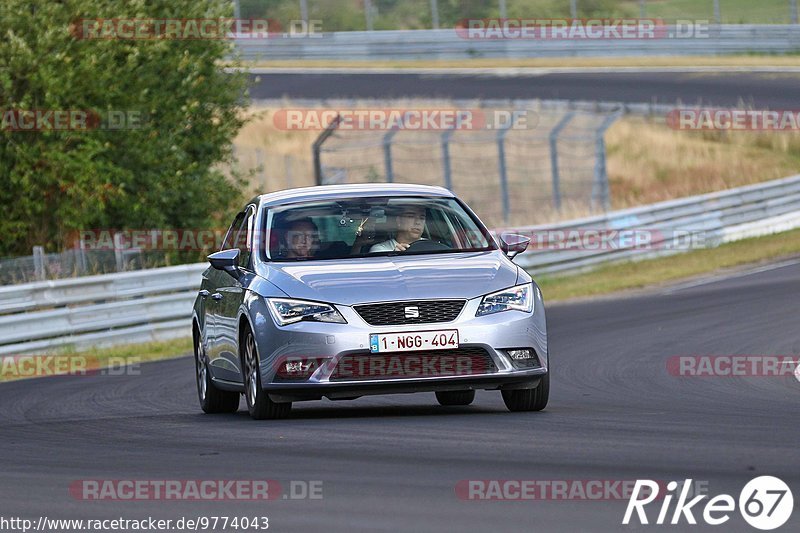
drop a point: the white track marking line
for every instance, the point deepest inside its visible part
(708, 281)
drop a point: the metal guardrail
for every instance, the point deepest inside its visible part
(718, 217)
(138, 306)
(155, 304)
(448, 44)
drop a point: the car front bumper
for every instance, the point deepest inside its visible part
(330, 343)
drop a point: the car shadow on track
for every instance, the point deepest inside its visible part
(328, 411)
(383, 411)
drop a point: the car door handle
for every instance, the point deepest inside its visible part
(204, 293)
(216, 296)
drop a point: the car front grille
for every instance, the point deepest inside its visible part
(410, 312)
(465, 361)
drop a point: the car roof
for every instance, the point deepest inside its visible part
(350, 190)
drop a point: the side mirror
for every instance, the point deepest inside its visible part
(513, 244)
(227, 261)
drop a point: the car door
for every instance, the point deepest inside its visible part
(219, 366)
(205, 308)
(232, 293)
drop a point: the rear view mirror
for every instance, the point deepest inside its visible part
(227, 261)
(513, 244)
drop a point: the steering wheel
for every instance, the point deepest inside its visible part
(427, 245)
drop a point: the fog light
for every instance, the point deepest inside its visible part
(520, 355)
(523, 358)
(298, 367)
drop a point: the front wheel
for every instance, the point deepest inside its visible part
(456, 397)
(258, 403)
(528, 399)
(212, 400)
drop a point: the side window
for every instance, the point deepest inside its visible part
(244, 239)
(227, 243)
(437, 227)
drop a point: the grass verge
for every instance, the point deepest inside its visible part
(742, 60)
(651, 272)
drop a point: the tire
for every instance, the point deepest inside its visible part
(456, 397)
(258, 403)
(212, 399)
(528, 399)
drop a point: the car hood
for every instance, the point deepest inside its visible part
(374, 279)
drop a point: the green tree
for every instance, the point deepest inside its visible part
(164, 172)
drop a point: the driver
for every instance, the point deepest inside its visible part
(410, 225)
(302, 239)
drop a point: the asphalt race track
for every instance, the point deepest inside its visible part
(759, 90)
(392, 463)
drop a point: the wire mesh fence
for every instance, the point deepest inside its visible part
(552, 166)
(78, 262)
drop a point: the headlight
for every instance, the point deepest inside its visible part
(519, 298)
(288, 311)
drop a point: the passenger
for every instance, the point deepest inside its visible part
(302, 239)
(410, 223)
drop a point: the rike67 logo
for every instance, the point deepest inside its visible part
(765, 503)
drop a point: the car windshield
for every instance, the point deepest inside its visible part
(371, 226)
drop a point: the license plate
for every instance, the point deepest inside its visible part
(413, 341)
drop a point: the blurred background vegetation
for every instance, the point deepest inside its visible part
(169, 171)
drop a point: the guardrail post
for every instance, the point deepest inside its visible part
(80, 256)
(119, 258)
(304, 10)
(435, 14)
(448, 177)
(600, 183)
(793, 11)
(38, 262)
(317, 147)
(501, 162)
(368, 13)
(387, 154)
(554, 133)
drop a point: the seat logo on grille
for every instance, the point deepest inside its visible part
(412, 312)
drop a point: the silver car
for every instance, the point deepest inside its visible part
(349, 290)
